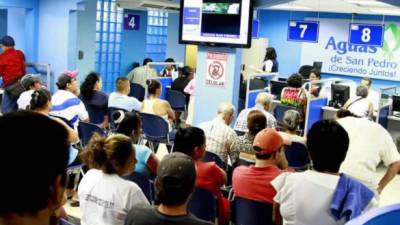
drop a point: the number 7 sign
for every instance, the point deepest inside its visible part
(131, 22)
(305, 31)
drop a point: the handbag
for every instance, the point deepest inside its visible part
(14, 89)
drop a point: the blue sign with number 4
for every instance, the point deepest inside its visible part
(305, 31)
(131, 22)
(366, 34)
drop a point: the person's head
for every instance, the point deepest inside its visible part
(170, 60)
(187, 71)
(154, 87)
(362, 91)
(114, 154)
(327, 143)
(265, 100)
(91, 83)
(270, 54)
(40, 100)
(366, 81)
(128, 123)
(67, 81)
(268, 145)
(190, 141)
(31, 82)
(146, 61)
(291, 120)
(256, 122)
(40, 145)
(7, 42)
(225, 112)
(342, 113)
(176, 176)
(123, 85)
(315, 75)
(295, 80)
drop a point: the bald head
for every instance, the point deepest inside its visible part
(225, 111)
(265, 100)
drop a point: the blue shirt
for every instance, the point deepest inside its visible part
(121, 101)
(142, 156)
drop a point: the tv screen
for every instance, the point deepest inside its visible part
(216, 22)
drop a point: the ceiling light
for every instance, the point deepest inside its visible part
(290, 7)
(385, 11)
(370, 3)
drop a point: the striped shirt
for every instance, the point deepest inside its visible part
(69, 107)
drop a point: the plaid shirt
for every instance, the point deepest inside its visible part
(241, 122)
(219, 138)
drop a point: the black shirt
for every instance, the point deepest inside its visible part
(149, 215)
(179, 84)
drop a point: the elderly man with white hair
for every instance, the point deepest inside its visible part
(263, 104)
(219, 135)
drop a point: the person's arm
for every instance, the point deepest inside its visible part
(105, 122)
(370, 109)
(170, 111)
(391, 171)
(284, 163)
(72, 135)
(152, 164)
(219, 175)
(276, 214)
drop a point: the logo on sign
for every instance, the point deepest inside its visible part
(216, 70)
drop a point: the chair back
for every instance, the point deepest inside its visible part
(137, 91)
(96, 115)
(279, 112)
(177, 100)
(86, 130)
(203, 205)
(144, 183)
(250, 212)
(297, 155)
(387, 215)
(111, 111)
(212, 157)
(155, 128)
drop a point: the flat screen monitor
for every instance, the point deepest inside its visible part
(340, 95)
(276, 88)
(216, 22)
(396, 103)
(317, 66)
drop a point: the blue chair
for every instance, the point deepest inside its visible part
(250, 212)
(146, 184)
(155, 130)
(86, 130)
(297, 156)
(111, 111)
(96, 115)
(177, 100)
(212, 157)
(203, 205)
(388, 215)
(137, 91)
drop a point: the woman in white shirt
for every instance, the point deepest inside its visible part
(360, 106)
(106, 198)
(270, 64)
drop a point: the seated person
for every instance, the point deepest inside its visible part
(106, 198)
(253, 182)
(294, 95)
(120, 98)
(307, 197)
(315, 88)
(168, 70)
(209, 176)
(94, 98)
(156, 106)
(360, 106)
(174, 186)
(31, 83)
(181, 82)
(130, 124)
(291, 122)
(243, 145)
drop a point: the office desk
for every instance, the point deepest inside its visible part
(329, 112)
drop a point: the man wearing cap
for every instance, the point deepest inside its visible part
(253, 182)
(65, 102)
(12, 67)
(174, 183)
(31, 83)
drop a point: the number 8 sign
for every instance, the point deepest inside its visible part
(304, 31)
(366, 34)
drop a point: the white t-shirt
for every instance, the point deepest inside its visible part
(359, 106)
(369, 144)
(106, 199)
(305, 197)
(268, 65)
(24, 99)
(122, 101)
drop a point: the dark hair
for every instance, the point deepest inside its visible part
(88, 85)
(39, 98)
(362, 91)
(135, 65)
(327, 143)
(316, 72)
(295, 80)
(170, 60)
(131, 121)
(186, 70)
(261, 156)
(121, 82)
(147, 60)
(103, 152)
(27, 149)
(152, 86)
(270, 54)
(256, 121)
(187, 139)
(342, 113)
(368, 79)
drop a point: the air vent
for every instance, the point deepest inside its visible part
(145, 5)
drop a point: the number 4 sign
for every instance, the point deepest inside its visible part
(131, 22)
(366, 34)
(305, 31)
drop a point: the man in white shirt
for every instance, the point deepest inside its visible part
(370, 144)
(120, 98)
(140, 74)
(263, 104)
(373, 95)
(31, 83)
(219, 136)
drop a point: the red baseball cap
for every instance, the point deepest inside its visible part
(268, 140)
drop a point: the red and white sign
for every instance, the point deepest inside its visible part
(216, 69)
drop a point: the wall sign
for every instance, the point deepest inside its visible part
(304, 31)
(366, 34)
(216, 69)
(131, 22)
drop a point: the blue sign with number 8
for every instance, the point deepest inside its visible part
(366, 34)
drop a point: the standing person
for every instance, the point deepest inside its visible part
(31, 83)
(140, 74)
(191, 90)
(270, 64)
(105, 197)
(168, 70)
(12, 67)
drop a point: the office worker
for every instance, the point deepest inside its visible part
(270, 64)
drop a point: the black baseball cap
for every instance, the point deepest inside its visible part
(8, 41)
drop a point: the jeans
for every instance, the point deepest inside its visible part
(8, 104)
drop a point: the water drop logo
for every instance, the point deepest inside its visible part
(391, 40)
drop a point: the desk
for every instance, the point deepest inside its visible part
(329, 112)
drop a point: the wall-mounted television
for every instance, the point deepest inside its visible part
(216, 22)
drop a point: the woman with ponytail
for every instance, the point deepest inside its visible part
(106, 198)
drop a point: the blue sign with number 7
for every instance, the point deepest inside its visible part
(366, 34)
(131, 22)
(304, 31)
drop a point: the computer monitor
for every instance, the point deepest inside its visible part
(396, 103)
(340, 95)
(317, 66)
(276, 88)
(282, 79)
